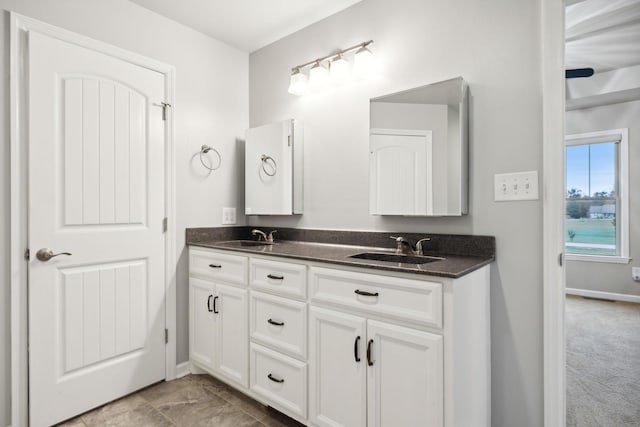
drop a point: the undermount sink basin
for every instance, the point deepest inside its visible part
(396, 258)
(245, 243)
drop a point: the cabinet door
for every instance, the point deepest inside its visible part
(268, 169)
(337, 381)
(202, 331)
(233, 333)
(400, 174)
(405, 377)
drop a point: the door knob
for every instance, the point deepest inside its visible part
(45, 254)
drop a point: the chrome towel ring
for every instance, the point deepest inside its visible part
(204, 150)
(269, 163)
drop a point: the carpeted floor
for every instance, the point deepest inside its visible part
(603, 363)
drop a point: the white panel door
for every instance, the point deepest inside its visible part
(232, 318)
(268, 172)
(405, 377)
(96, 191)
(337, 369)
(400, 174)
(202, 330)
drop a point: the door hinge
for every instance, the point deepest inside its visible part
(27, 254)
(165, 224)
(289, 140)
(166, 336)
(560, 259)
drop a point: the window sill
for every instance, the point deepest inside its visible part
(598, 258)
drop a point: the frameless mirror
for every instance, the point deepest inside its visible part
(418, 151)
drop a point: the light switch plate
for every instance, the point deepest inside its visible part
(635, 273)
(516, 186)
(228, 216)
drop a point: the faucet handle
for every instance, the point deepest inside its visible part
(270, 237)
(398, 239)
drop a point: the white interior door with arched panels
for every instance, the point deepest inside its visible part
(97, 190)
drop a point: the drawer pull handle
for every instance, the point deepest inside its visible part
(215, 310)
(215, 266)
(274, 379)
(273, 322)
(369, 361)
(209, 303)
(274, 277)
(366, 294)
(355, 349)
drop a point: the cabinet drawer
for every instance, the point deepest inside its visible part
(221, 267)
(280, 323)
(279, 379)
(417, 301)
(281, 278)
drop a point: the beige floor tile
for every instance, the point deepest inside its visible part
(142, 416)
(228, 416)
(110, 410)
(187, 406)
(158, 391)
(247, 404)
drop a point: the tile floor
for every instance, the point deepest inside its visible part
(193, 401)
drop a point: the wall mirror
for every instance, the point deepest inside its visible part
(273, 169)
(418, 151)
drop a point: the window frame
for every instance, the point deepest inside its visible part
(622, 210)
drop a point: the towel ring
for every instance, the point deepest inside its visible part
(271, 163)
(204, 150)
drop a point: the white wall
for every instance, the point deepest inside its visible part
(597, 276)
(211, 108)
(495, 46)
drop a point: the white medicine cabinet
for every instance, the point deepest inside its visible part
(274, 169)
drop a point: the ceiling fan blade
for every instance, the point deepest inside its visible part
(578, 72)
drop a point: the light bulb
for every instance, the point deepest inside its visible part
(299, 83)
(363, 61)
(318, 77)
(340, 69)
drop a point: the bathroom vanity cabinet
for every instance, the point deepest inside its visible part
(336, 345)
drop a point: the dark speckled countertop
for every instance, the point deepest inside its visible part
(462, 254)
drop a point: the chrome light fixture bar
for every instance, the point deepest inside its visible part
(337, 69)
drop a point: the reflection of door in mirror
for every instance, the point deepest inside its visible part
(400, 165)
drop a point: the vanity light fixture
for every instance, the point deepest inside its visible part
(299, 82)
(340, 69)
(362, 61)
(318, 77)
(337, 69)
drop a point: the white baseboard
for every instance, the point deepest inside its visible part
(603, 295)
(182, 369)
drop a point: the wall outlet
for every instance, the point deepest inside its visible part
(228, 216)
(635, 273)
(516, 186)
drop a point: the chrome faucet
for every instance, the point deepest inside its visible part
(262, 236)
(404, 247)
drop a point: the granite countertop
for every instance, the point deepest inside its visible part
(458, 258)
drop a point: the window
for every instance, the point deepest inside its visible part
(596, 208)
